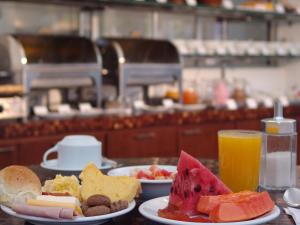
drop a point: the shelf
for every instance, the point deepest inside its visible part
(243, 56)
(199, 10)
(213, 61)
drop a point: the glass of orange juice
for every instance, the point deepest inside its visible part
(239, 158)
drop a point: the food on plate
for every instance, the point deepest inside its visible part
(172, 94)
(207, 203)
(153, 173)
(40, 211)
(199, 196)
(242, 208)
(173, 213)
(190, 96)
(258, 5)
(17, 184)
(95, 200)
(57, 201)
(116, 188)
(118, 205)
(20, 189)
(99, 205)
(192, 181)
(63, 185)
(97, 210)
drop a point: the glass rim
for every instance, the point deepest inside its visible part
(239, 133)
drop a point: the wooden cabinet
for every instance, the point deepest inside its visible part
(249, 125)
(8, 154)
(31, 150)
(202, 140)
(145, 142)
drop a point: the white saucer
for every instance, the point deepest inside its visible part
(58, 116)
(190, 107)
(91, 113)
(149, 210)
(52, 165)
(93, 220)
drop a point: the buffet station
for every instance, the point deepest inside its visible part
(149, 112)
(40, 63)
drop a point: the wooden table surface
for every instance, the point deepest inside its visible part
(134, 218)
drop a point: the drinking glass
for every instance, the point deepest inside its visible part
(239, 158)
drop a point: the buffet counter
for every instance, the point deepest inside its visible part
(148, 135)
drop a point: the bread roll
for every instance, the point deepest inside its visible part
(17, 184)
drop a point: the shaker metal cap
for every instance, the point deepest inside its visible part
(278, 124)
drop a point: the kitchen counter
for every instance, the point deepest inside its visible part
(147, 135)
(134, 218)
(53, 127)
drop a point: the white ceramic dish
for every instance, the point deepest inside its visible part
(52, 165)
(190, 107)
(93, 220)
(150, 188)
(149, 210)
(90, 113)
(58, 116)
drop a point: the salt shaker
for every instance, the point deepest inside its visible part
(279, 151)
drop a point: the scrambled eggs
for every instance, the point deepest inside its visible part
(63, 184)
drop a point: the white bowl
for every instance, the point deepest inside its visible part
(150, 188)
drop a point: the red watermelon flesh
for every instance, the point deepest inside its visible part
(193, 180)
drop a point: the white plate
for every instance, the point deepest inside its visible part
(150, 188)
(149, 210)
(126, 171)
(92, 113)
(58, 116)
(52, 165)
(76, 221)
(190, 107)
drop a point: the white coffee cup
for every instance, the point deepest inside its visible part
(76, 151)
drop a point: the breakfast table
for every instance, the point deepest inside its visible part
(134, 217)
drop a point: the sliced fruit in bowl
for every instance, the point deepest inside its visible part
(156, 180)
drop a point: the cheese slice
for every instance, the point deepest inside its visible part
(93, 181)
(56, 201)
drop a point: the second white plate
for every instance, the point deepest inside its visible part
(149, 210)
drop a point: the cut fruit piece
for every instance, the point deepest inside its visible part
(192, 181)
(173, 214)
(207, 203)
(248, 207)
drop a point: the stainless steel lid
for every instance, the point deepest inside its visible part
(278, 124)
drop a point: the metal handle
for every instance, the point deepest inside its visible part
(192, 132)
(7, 149)
(145, 136)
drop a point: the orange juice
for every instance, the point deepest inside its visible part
(239, 158)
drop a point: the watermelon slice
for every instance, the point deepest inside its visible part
(192, 181)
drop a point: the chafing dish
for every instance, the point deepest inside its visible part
(45, 61)
(139, 62)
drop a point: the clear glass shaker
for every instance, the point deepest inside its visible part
(279, 151)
